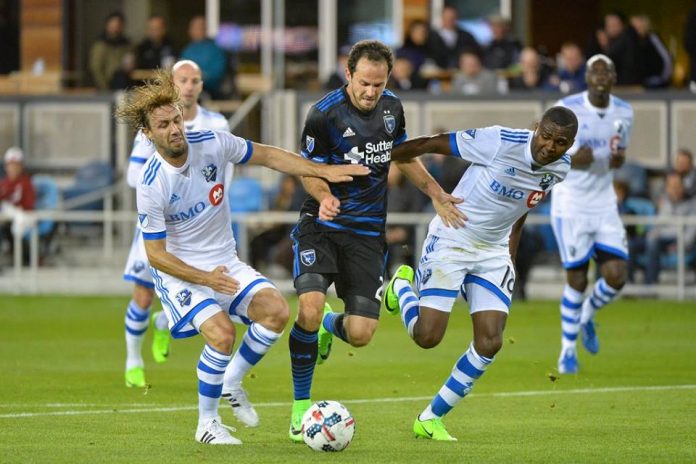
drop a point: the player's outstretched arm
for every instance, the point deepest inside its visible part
(290, 163)
(439, 143)
(515, 235)
(162, 260)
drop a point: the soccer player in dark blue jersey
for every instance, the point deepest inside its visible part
(340, 236)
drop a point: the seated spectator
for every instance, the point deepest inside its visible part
(570, 71)
(106, 54)
(684, 165)
(634, 234)
(415, 48)
(338, 78)
(206, 54)
(664, 238)
(504, 50)
(16, 196)
(657, 62)
(403, 77)
(448, 42)
(472, 78)
(156, 50)
(531, 73)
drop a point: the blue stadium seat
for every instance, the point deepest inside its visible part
(245, 195)
(91, 177)
(636, 176)
(47, 198)
(545, 230)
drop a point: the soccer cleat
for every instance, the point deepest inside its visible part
(299, 407)
(432, 429)
(391, 299)
(589, 337)
(568, 362)
(216, 433)
(160, 341)
(324, 339)
(241, 407)
(135, 377)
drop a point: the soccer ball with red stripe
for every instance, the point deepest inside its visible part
(327, 426)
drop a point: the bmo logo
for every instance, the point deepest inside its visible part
(535, 198)
(217, 194)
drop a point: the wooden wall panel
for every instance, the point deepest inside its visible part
(41, 34)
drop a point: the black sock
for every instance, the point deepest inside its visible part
(303, 357)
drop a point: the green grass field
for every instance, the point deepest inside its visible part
(62, 397)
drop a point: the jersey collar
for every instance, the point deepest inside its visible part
(175, 169)
(591, 107)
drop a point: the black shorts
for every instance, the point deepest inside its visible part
(354, 263)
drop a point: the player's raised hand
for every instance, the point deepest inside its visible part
(446, 207)
(344, 173)
(329, 207)
(617, 158)
(221, 282)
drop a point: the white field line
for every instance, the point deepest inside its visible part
(113, 409)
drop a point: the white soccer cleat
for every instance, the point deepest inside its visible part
(241, 407)
(216, 433)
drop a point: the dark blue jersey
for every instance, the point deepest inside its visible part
(338, 133)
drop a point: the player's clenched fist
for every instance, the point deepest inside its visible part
(329, 208)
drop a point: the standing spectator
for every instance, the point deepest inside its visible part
(673, 203)
(623, 49)
(690, 46)
(531, 73)
(657, 62)
(684, 165)
(156, 50)
(206, 54)
(415, 48)
(338, 78)
(570, 72)
(448, 42)
(16, 196)
(107, 54)
(472, 78)
(504, 50)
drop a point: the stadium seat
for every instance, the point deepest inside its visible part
(91, 178)
(545, 230)
(47, 198)
(636, 176)
(245, 195)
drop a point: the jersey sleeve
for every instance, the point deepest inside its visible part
(151, 211)
(400, 136)
(478, 146)
(626, 130)
(315, 143)
(142, 150)
(235, 149)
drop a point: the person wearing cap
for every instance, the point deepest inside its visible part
(17, 194)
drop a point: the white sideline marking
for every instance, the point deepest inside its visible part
(114, 410)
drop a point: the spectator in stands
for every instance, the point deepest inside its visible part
(338, 78)
(107, 53)
(206, 54)
(472, 78)
(690, 46)
(415, 48)
(684, 165)
(17, 195)
(623, 49)
(156, 50)
(448, 42)
(532, 75)
(655, 58)
(403, 77)
(504, 50)
(570, 70)
(664, 238)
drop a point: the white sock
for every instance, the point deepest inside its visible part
(211, 370)
(602, 294)
(255, 344)
(161, 322)
(137, 320)
(570, 317)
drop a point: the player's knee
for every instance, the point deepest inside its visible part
(427, 340)
(488, 345)
(143, 296)
(360, 336)
(309, 316)
(616, 275)
(578, 281)
(222, 341)
(277, 315)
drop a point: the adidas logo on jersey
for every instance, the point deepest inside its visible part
(174, 198)
(510, 171)
(348, 133)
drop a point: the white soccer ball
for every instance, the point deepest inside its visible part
(327, 426)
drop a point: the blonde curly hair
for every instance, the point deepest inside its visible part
(143, 100)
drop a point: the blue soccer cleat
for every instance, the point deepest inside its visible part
(568, 362)
(589, 337)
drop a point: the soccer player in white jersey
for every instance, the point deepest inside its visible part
(584, 213)
(512, 171)
(185, 223)
(188, 79)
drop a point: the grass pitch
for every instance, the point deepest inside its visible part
(62, 395)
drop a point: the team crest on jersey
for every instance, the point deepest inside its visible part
(572, 251)
(309, 141)
(308, 257)
(137, 267)
(389, 123)
(535, 198)
(210, 172)
(144, 221)
(426, 276)
(217, 194)
(184, 297)
(547, 180)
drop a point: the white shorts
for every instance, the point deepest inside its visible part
(137, 267)
(580, 238)
(484, 276)
(188, 305)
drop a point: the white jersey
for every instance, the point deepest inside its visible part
(187, 205)
(501, 185)
(143, 149)
(590, 191)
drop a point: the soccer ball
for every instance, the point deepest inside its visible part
(327, 426)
